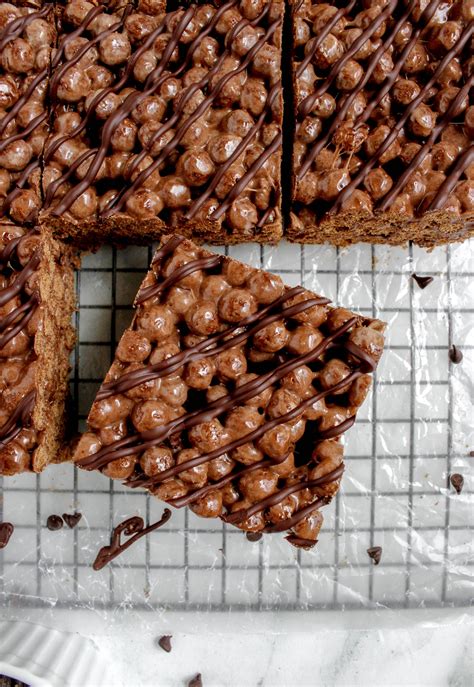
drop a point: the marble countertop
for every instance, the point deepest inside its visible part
(283, 650)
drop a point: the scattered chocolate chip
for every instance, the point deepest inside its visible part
(6, 531)
(455, 355)
(457, 481)
(422, 282)
(165, 643)
(71, 519)
(375, 553)
(254, 536)
(471, 454)
(54, 522)
(196, 681)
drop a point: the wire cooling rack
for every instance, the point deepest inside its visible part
(412, 433)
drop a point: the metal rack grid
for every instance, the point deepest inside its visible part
(409, 437)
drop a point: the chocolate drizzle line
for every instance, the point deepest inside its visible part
(180, 273)
(296, 518)
(132, 526)
(6, 531)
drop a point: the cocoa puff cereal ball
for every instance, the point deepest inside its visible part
(113, 433)
(304, 339)
(309, 527)
(156, 459)
(121, 468)
(334, 372)
(109, 411)
(276, 442)
(208, 506)
(156, 322)
(199, 373)
(149, 415)
(202, 318)
(283, 510)
(220, 467)
(208, 436)
(258, 484)
(260, 399)
(369, 340)
(170, 489)
(237, 304)
(242, 421)
(273, 337)
(196, 476)
(231, 364)
(13, 459)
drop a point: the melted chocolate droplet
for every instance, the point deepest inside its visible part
(71, 519)
(375, 553)
(54, 522)
(165, 643)
(196, 681)
(6, 531)
(471, 454)
(457, 481)
(455, 355)
(254, 536)
(422, 282)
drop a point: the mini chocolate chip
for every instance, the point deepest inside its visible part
(471, 454)
(54, 522)
(254, 536)
(422, 282)
(375, 553)
(455, 355)
(457, 481)
(71, 519)
(196, 681)
(165, 643)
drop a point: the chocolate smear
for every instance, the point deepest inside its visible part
(54, 522)
(422, 282)
(165, 643)
(457, 481)
(71, 519)
(132, 526)
(6, 531)
(254, 536)
(455, 355)
(375, 553)
(196, 681)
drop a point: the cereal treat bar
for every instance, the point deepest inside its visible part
(27, 42)
(384, 121)
(166, 120)
(36, 337)
(229, 393)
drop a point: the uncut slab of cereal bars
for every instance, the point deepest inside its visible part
(384, 115)
(230, 393)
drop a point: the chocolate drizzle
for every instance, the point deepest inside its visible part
(58, 206)
(230, 337)
(437, 200)
(132, 527)
(21, 417)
